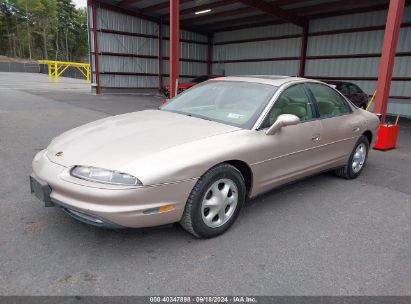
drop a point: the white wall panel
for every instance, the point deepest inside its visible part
(128, 44)
(352, 21)
(187, 68)
(343, 44)
(353, 67)
(128, 64)
(355, 43)
(404, 41)
(111, 20)
(125, 81)
(188, 50)
(400, 88)
(286, 67)
(399, 106)
(361, 43)
(324, 45)
(402, 67)
(108, 42)
(185, 34)
(255, 50)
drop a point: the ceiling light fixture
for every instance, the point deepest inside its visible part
(203, 12)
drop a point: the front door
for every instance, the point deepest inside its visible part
(291, 152)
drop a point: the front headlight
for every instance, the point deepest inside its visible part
(100, 175)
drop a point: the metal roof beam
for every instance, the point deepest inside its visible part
(216, 26)
(287, 2)
(127, 2)
(241, 21)
(274, 10)
(160, 6)
(328, 6)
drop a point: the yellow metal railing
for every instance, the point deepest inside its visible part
(56, 68)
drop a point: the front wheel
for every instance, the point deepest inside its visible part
(357, 160)
(215, 202)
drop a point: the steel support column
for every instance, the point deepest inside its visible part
(174, 45)
(209, 54)
(392, 31)
(160, 57)
(303, 52)
(93, 4)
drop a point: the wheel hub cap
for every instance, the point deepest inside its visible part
(219, 203)
(359, 158)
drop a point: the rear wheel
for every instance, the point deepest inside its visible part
(215, 202)
(357, 160)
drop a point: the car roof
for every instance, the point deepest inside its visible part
(336, 82)
(276, 80)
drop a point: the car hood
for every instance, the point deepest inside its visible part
(114, 142)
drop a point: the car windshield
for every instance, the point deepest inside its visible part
(230, 102)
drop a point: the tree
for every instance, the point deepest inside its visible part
(36, 28)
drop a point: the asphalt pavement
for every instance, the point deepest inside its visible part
(319, 236)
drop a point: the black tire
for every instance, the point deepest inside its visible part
(347, 171)
(192, 219)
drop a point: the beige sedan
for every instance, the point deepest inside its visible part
(197, 159)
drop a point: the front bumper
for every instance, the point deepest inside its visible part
(108, 207)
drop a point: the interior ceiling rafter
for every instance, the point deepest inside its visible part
(276, 11)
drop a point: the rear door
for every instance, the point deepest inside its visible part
(340, 128)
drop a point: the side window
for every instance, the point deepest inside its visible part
(330, 103)
(354, 89)
(293, 100)
(344, 89)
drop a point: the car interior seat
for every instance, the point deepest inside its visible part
(326, 108)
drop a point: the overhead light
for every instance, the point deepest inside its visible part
(203, 12)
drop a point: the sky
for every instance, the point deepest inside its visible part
(80, 3)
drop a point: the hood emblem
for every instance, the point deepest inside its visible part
(59, 153)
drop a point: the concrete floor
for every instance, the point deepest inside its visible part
(319, 236)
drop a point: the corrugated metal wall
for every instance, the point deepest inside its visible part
(270, 56)
(128, 50)
(364, 42)
(117, 46)
(282, 52)
(193, 47)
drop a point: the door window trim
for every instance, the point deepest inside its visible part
(278, 95)
(348, 104)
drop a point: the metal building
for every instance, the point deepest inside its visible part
(322, 39)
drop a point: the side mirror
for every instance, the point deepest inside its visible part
(282, 121)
